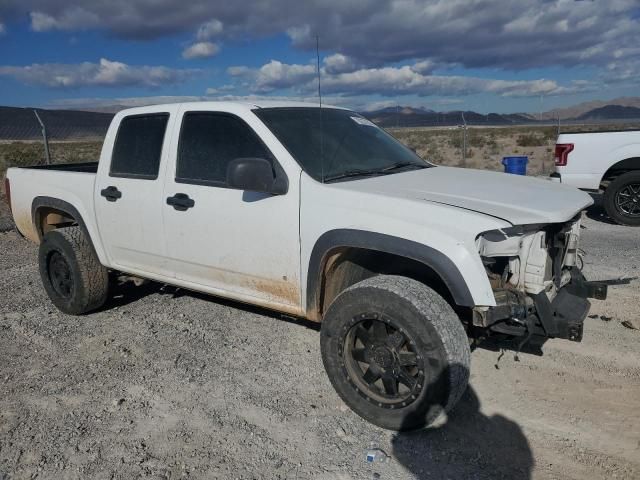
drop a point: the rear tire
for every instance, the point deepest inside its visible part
(622, 199)
(395, 351)
(71, 273)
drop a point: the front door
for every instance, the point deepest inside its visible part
(238, 244)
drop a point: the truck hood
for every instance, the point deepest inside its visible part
(517, 199)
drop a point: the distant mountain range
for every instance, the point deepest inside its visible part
(583, 109)
(420, 117)
(21, 123)
(621, 109)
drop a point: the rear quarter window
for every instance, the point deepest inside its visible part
(138, 146)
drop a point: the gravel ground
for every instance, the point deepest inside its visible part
(167, 384)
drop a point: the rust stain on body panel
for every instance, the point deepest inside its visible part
(282, 295)
(24, 224)
(280, 290)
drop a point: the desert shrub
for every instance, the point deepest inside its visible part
(19, 154)
(550, 134)
(493, 146)
(476, 138)
(531, 140)
(455, 139)
(22, 154)
(74, 152)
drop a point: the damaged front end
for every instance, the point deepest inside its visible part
(537, 283)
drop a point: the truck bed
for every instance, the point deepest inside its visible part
(612, 130)
(72, 183)
(84, 167)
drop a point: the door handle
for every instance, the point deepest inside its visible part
(111, 193)
(180, 201)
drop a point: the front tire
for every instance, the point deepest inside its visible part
(622, 199)
(71, 273)
(395, 351)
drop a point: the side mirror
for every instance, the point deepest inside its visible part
(254, 175)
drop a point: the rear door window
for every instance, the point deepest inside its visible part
(138, 146)
(209, 141)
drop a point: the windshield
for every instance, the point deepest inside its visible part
(335, 145)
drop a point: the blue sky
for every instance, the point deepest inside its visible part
(483, 55)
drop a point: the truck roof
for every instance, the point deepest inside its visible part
(225, 106)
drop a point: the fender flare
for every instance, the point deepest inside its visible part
(66, 207)
(623, 160)
(430, 257)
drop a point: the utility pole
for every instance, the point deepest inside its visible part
(47, 155)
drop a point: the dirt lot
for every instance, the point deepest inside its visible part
(167, 384)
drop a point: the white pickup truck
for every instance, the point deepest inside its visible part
(319, 214)
(603, 161)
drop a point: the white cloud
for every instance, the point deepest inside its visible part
(510, 35)
(209, 30)
(201, 50)
(75, 18)
(118, 103)
(392, 81)
(106, 73)
(220, 90)
(483, 33)
(238, 71)
(338, 63)
(275, 75)
(424, 66)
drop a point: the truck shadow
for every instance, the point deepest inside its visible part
(596, 211)
(125, 291)
(513, 345)
(469, 445)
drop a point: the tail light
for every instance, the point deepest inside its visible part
(562, 153)
(7, 191)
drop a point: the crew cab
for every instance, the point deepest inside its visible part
(319, 214)
(606, 162)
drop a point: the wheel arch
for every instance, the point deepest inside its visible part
(48, 213)
(365, 251)
(620, 167)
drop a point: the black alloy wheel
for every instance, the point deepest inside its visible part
(622, 199)
(60, 275)
(628, 200)
(395, 351)
(382, 363)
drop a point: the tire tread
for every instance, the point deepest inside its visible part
(94, 276)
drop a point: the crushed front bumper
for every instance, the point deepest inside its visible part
(563, 317)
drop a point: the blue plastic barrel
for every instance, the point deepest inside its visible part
(515, 165)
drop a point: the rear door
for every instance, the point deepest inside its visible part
(235, 243)
(129, 189)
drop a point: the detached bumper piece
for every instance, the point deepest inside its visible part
(564, 317)
(561, 318)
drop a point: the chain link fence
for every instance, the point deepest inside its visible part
(70, 136)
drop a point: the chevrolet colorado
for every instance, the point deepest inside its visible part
(603, 161)
(319, 214)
